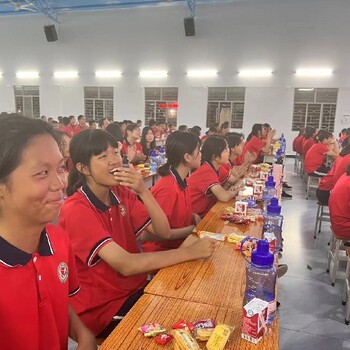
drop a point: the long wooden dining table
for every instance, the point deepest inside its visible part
(201, 289)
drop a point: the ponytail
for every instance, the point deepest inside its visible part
(75, 181)
(164, 170)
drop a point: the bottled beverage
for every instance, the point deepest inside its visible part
(273, 221)
(153, 160)
(261, 278)
(162, 156)
(283, 144)
(268, 192)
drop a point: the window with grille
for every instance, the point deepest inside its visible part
(314, 107)
(99, 102)
(27, 100)
(226, 104)
(161, 104)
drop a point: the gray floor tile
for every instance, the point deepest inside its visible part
(311, 312)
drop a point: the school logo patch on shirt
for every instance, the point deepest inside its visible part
(62, 272)
(122, 209)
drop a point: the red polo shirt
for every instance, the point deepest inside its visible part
(306, 146)
(173, 196)
(254, 145)
(342, 164)
(315, 157)
(298, 144)
(126, 147)
(34, 293)
(224, 172)
(200, 183)
(339, 207)
(338, 169)
(327, 182)
(91, 225)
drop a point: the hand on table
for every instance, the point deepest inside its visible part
(195, 219)
(203, 248)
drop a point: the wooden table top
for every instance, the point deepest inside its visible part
(219, 280)
(195, 290)
(167, 311)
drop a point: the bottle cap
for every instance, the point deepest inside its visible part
(273, 207)
(270, 182)
(153, 153)
(262, 256)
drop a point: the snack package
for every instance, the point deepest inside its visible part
(219, 337)
(204, 334)
(264, 175)
(181, 324)
(217, 236)
(203, 324)
(164, 338)
(184, 340)
(257, 188)
(235, 238)
(152, 329)
(241, 207)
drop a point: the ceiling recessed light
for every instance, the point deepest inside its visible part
(322, 72)
(27, 75)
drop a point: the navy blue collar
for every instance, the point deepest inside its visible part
(212, 166)
(92, 198)
(13, 256)
(182, 183)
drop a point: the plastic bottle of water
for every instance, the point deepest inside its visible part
(261, 278)
(268, 192)
(162, 156)
(273, 221)
(283, 144)
(153, 160)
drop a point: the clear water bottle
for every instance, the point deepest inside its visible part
(153, 158)
(268, 192)
(261, 278)
(283, 144)
(162, 156)
(273, 221)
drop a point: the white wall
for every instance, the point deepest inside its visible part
(281, 34)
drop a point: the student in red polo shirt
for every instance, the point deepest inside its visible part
(298, 142)
(256, 145)
(338, 169)
(308, 141)
(339, 207)
(37, 270)
(233, 167)
(204, 183)
(103, 218)
(131, 148)
(316, 155)
(171, 191)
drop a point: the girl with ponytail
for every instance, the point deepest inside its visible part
(171, 191)
(103, 218)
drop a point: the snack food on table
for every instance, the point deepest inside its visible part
(184, 340)
(202, 324)
(230, 209)
(181, 324)
(219, 337)
(213, 235)
(152, 329)
(164, 338)
(235, 238)
(204, 334)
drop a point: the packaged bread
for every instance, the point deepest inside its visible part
(184, 340)
(219, 337)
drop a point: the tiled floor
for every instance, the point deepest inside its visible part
(311, 313)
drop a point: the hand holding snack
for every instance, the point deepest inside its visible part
(131, 178)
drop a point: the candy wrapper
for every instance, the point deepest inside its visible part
(241, 207)
(213, 235)
(181, 324)
(237, 219)
(164, 338)
(152, 329)
(202, 324)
